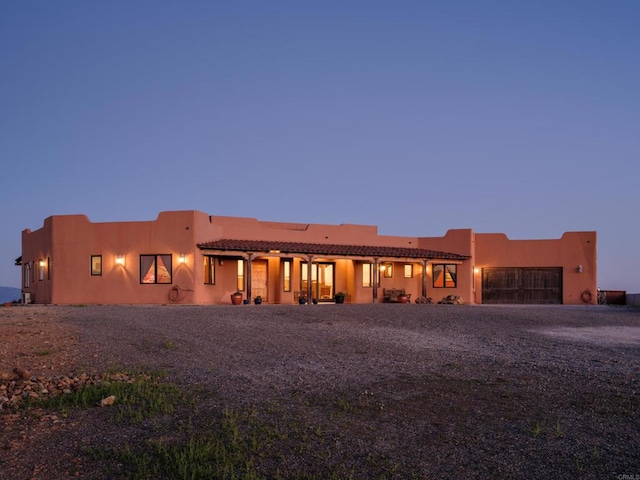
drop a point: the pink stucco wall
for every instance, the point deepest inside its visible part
(569, 251)
(66, 242)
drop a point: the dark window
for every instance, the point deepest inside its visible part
(27, 275)
(155, 268)
(444, 276)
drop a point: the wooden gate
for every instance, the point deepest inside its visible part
(530, 285)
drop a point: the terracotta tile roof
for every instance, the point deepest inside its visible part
(327, 249)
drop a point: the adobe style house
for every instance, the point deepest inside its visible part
(189, 257)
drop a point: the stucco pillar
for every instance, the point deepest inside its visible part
(249, 255)
(309, 271)
(375, 280)
(424, 278)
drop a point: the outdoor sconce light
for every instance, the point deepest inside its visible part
(181, 258)
(476, 270)
(120, 260)
(42, 263)
(579, 269)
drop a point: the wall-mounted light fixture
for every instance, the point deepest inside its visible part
(476, 270)
(220, 261)
(120, 260)
(42, 264)
(579, 268)
(181, 258)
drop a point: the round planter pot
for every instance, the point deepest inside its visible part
(339, 299)
(236, 299)
(403, 299)
(257, 301)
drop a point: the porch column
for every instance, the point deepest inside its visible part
(424, 278)
(375, 280)
(309, 270)
(249, 255)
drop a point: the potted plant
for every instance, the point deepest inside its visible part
(257, 300)
(236, 298)
(302, 297)
(403, 298)
(339, 297)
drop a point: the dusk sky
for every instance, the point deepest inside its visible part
(520, 117)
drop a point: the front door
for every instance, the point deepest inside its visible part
(321, 281)
(259, 279)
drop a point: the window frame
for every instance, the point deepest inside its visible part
(168, 266)
(209, 270)
(241, 272)
(408, 270)
(96, 270)
(387, 270)
(451, 269)
(287, 265)
(367, 275)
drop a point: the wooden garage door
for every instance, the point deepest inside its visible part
(522, 285)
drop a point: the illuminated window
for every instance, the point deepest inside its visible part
(286, 275)
(367, 274)
(387, 270)
(96, 265)
(408, 271)
(41, 265)
(155, 268)
(209, 270)
(444, 276)
(240, 286)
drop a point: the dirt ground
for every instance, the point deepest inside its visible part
(389, 391)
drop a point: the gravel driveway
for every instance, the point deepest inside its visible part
(384, 391)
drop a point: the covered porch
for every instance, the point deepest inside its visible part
(282, 272)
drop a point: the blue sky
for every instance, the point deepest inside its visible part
(417, 116)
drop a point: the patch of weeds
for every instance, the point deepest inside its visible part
(536, 431)
(343, 406)
(224, 449)
(199, 457)
(169, 345)
(42, 353)
(135, 400)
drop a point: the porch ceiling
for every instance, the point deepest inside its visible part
(269, 246)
